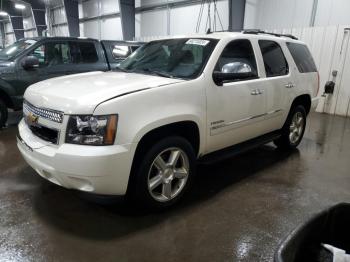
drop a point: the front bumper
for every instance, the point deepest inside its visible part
(95, 169)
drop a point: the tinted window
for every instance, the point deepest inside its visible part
(274, 60)
(83, 52)
(88, 52)
(134, 48)
(120, 51)
(237, 51)
(51, 54)
(302, 57)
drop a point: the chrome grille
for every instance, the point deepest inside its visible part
(52, 115)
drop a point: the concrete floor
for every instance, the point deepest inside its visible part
(238, 210)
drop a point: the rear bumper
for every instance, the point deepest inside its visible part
(314, 103)
(96, 169)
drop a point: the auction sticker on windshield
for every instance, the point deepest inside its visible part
(201, 42)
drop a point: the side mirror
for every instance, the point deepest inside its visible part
(233, 72)
(236, 67)
(30, 62)
(220, 78)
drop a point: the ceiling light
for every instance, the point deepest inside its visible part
(20, 6)
(3, 13)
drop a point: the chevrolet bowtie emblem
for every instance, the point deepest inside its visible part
(32, 119)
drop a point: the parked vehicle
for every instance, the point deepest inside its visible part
(31, 60)
(140, 131)
(118, 51)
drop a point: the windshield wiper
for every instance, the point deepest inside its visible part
(163, 74)
(154, 72)
(122, 69)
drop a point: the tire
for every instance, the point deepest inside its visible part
(293, 129)
(3, 114)
(155, 183)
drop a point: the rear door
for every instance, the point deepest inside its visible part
(278, 83)
(86, 56)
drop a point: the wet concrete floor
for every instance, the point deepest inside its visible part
(237, 210)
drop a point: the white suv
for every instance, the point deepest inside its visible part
(139, 130)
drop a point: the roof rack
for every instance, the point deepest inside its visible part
(258, 31)
(219, 31)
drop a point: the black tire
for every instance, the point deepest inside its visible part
(139, 191)
(3, 113)
(286, 141)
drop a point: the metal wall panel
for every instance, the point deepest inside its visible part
(330, 47)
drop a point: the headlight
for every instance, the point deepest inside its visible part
(92, 130)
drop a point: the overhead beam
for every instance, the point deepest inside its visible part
(17, 25)
(38, 13)
(236, 15)
(127, 14)
(16, 18)
(313, 13)
(72, 13)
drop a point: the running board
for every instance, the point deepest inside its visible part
(232, 151)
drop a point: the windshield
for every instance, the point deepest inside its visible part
(16, 48)
(174, 58)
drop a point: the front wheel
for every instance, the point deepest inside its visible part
(293, 130)
(165, 173)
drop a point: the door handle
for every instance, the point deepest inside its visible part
(256, 92)
(290, 85)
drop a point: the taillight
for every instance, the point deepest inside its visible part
(318, 83)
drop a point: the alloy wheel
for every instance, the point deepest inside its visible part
(296, 127)
(168, 174)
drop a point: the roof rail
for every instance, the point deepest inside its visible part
(258, 31)
(219, 31)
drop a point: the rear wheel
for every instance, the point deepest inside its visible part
(165, 173)
(293, 130)
(3, 114)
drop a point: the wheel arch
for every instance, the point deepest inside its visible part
(304, 100)
(188, 129)
(6, 98)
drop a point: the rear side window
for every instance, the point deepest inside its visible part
(134, 48)
(274, 59)
(120, 51)
(88, 52)
(302, 57)
(83, 52)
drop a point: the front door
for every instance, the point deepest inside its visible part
(54, 57)
(235, 109)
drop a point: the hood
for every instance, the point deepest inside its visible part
(81, 93)
(4, 63)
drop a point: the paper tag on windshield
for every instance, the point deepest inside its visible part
(201, 42)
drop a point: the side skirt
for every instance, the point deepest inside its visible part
(234, 150)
